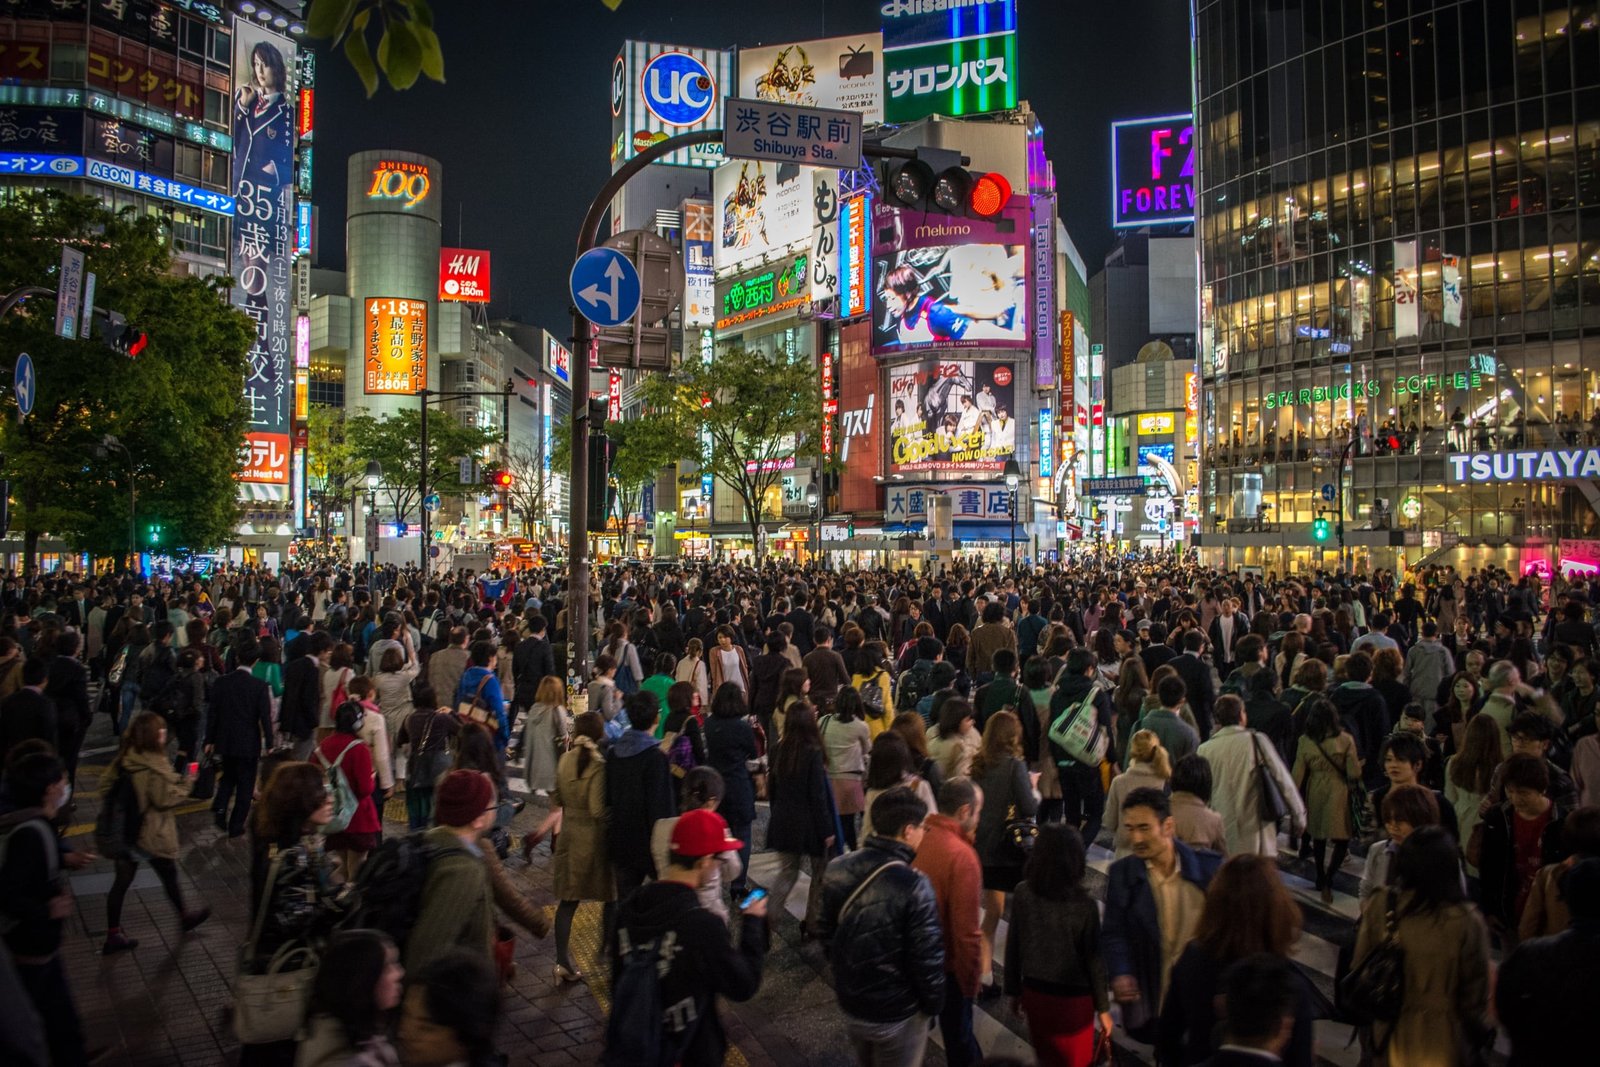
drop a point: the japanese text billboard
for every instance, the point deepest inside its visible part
(948, 282)
(396, 350)
(658, 90)
(464, 275)
(955, 416)
(762, 208)
(949, 58)
(264, 240)
(699, 264)
(1152, 171)
(840, 72)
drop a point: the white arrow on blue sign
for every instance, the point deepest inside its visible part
(25, 384)
(1327, 491)
(605, 287)
(431, 501)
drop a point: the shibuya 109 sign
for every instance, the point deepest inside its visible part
(406, 184)
(1531, 465)
(1152, 171)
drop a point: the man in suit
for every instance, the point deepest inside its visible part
(302, 693)
(802, 621)
(1156, 652)
(238, 725)
(532, 660)
(1225, 631)
(28, 713)
(1259, 996)
(1197, 681)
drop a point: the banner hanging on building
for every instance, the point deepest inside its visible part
(264, 241)
(1407, 293)
(700, 281)
(1451, 266)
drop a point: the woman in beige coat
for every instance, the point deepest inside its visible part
(1325, 768)
(578, 814)
(157, 789)
(1444, 1007)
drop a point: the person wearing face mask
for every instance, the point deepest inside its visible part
(36, 899)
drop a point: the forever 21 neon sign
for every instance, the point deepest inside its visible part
(407, 182)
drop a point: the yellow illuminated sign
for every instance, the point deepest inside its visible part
(396, 346)
(1157, 422)
(408, 182)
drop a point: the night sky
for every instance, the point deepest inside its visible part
(523, 124)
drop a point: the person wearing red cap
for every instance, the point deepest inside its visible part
(457, 908)
(701, 958)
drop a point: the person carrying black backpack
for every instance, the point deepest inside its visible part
(670, 1017)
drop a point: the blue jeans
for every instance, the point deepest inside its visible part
(130, 701)
(955, 1024)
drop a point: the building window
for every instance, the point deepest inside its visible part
(217, 107)
(186, 161)
(192, 36)
(221, 45)
(68, 63)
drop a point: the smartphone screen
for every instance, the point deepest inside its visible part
(755, 895)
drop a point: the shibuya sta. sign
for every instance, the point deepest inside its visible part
(1531, 465)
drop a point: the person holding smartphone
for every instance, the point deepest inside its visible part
(701, 956)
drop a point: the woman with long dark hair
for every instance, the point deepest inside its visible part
(1326, 768)
(1247, 911)
(801, 830)
(1000, 771)
(731, 749)
(1055, 973)
(353, 998)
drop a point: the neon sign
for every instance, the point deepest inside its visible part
(1358, 390)
(1152, 171)
(393, 180)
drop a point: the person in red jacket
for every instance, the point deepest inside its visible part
(345, 748)
(950, 860)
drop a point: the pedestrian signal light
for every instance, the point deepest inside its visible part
(155, 534)
(1320, 530)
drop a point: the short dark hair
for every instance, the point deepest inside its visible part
(1149, 797)
(1194, 641)
(1079, 661)
(994, 611)
(821, 634)
(246, 649)
(1430, 629)
(1534, 726)
(642, 709)
(30, 777)
(1004, 660)
(1228, 710)
(929, 647)
(1258, 994)
(1412, 804)
(1192, 774)
(1171, 691)
(895, 809)
(1406, 747)
(1248, 648)
(1523, 771)
(1580, 833)
(35, 669)
(462, 993)
(481, 653)
(319, 642)
(1358, 665)
(955, 794)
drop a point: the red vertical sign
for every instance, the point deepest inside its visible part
(614, 399)
(830, 405)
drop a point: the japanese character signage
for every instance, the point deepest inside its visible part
(978, 503)
(768, 293)
(954, 416)
(263, 243)
(764, 210)
(396, 346)
(830, 404)
(1152, 171)
(1044, 291)
(699, 264)
(788, 133)
(464, 275)
(24, 129)
(855, 284)
(839, 72)
(1047, 444)
(825, 237)
(949, 58)
(614, 397)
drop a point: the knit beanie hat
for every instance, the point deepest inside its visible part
(461, 796)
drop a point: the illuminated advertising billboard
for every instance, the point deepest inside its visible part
(855, 283)
(400, 183)
(699, 264)
(951, 416)
(947, 282)
(761, 210)
(948, 58)
(396, 346)
(558, 360)
(1152, 171)
(781, 287)
(844, 73)
(658, 90)
(464, 275)
(263, 243)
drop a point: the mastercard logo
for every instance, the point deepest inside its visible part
(645, 138)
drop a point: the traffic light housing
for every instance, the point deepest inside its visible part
(499, 479)
(1320, 529)
(936, 181)
(121, 336)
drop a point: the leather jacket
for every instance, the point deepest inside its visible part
(887, 949)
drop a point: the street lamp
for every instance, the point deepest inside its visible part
(1013, 476)
(110, 443)
(812, 500)
(373, 477)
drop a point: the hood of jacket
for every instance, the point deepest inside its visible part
(632, 742)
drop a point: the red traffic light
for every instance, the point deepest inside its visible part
(990, 193)
(500, 479)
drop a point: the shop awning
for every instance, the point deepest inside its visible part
(988, 531)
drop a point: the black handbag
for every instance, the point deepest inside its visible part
(205, 781)
(1374, 989)
(1270, 805)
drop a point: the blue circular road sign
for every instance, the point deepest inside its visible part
(605, 287)
(1327, 491)
(431, 502)
(25, 383)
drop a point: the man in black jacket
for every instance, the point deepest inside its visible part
(701, 960)
(1197, 680)
(882, 920)
(532, 661)
(638, 792)
(29, 712)
(238, 725)
(302, 693)
(1547, 986)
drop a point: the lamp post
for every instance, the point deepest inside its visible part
(813, 502)
(1013, 476)
(373, 477)
(110, 443)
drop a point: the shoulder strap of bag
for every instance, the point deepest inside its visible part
(265, 903)
(1329, 758)
(1255, 747)
(851, 899)
(478, 693)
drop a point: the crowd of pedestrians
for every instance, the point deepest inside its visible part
(1106, 796)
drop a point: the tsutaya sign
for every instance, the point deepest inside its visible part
(1532, 465)
(1357, 389)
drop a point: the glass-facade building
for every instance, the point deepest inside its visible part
(1399, 215)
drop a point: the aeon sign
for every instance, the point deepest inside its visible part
(1152, 171)
(678, 89)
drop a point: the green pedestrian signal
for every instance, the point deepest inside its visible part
(155, 534)
(1320, 530)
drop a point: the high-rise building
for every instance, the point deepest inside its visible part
(1399, 217)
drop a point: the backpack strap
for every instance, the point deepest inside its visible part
(851, 899)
